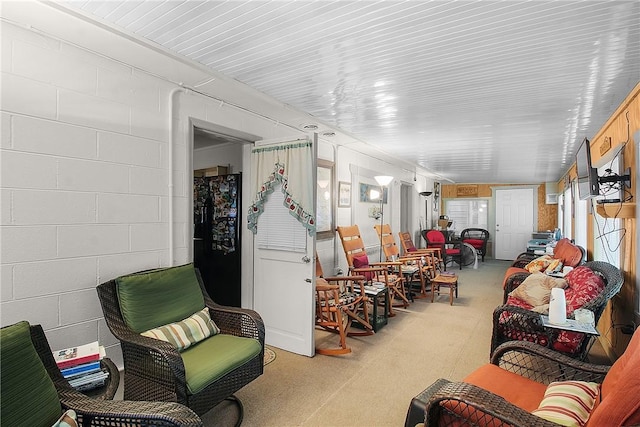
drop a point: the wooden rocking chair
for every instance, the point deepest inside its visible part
(416, 267)
(340, 300)
(358, 262)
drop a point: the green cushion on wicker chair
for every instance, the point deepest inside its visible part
(29, 397)
(175, 289)
(215, 357)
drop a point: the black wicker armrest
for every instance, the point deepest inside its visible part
(520, 324)
(93, 412)
(472, 405)
(544, 365)
(512, 282)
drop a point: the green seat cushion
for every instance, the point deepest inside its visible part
(158, 297)
(215, 357)
(29, 397)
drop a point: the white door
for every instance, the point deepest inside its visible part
(514, 222)
(284, 275)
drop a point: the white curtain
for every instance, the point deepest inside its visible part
(290, 165)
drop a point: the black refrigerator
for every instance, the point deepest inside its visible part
(216, 243)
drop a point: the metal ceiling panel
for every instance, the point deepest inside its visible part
(476, 91)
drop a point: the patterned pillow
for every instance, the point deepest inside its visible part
(536, 288)
(538, 264)
(568, 403)
(187, 332)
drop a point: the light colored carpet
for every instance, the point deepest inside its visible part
(373, 385)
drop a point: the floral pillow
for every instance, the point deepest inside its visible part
(538, 264)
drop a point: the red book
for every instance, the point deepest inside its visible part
(76, 355)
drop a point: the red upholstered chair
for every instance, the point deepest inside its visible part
(436, 239)
(476, 237)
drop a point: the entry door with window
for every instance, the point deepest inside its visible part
(514, 222)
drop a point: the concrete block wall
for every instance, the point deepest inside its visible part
(96, 166)
(84, 182)
(95, 177)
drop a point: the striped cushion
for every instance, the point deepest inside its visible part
(568, 403)
(187, 332)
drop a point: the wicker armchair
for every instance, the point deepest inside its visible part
(487, 396)
(89, 411)
(476, 237)
(155, 370)
(528, 325)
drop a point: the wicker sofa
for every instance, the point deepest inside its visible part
(590, 286)
(506, 391)
(569, 254)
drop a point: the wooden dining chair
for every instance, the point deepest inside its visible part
(358, 262)
(340, 301)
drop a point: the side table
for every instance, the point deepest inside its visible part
(379, 320)
(108, 390)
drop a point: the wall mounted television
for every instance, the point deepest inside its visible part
(588, 186)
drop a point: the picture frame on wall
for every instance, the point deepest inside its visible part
(366, 194)
(344, 194)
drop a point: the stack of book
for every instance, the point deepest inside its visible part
(81, 366)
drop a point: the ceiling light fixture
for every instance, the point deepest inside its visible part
(310, 126)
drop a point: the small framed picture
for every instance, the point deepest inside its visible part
(344, 194)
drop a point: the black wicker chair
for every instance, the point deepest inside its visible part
(521, 322)
(99, 411)
(476, 237)
(154, 369)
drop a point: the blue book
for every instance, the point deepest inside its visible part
(85, 368)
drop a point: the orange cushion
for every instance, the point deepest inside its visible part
(620, 389)
(510, 271)
(522, 392)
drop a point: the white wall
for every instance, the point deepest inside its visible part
(86, 152)
(96, 166)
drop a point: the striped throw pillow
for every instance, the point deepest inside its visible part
(187, 332)
(568, 403)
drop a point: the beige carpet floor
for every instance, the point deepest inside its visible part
(373, 385)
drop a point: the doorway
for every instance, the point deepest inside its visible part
(217, 212)
(515, 216)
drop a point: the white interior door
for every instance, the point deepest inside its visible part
(284, 275)
(514, 222)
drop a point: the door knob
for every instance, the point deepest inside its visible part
(306, 259)
(307, 280)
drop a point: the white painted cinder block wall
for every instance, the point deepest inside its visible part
(86, 145)
(85, 153)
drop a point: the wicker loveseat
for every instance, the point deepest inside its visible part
(506, 391)
(138, 309)
(35, 394)
(569, 255)
(590, 287)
